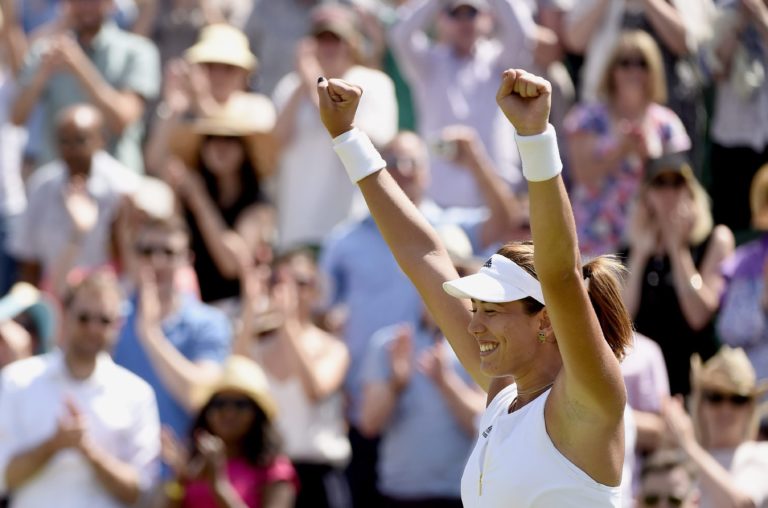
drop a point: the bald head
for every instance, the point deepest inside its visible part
(79, 136)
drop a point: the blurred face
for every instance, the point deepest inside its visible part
(76, 146)
(726, 417)
(91, 322)
(669, 193)
(631, 79)
(667, 489)
(225, 79)
(223, 155)
(164, 253)
(230, 415)
(506, 336)
(406, 163)
(331, 49)
(301, 272)
(465, 25)
(89, 15)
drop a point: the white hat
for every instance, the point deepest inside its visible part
(499, 280)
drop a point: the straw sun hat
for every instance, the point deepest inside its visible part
(247, 115)
(224, 44)
(729, 371)
(242, 375)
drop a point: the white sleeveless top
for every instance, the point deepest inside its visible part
(312, 431)
(516, 465)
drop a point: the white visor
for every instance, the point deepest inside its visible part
(499, 280)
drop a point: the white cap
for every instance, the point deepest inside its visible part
(499, 280)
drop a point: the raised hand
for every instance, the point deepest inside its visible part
(525, 100)
(214, 456)
(149, 317)
(174, 454)
(400, 357)
(338, 104)
(435, 363)
(70, 429)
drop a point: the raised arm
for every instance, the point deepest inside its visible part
(413, 241)
(590, 379)
(408, 38)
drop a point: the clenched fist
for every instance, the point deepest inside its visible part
(338, 104)
(525, 100)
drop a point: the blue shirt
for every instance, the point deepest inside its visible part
(363, 275)
(198, 331)
(423, 449)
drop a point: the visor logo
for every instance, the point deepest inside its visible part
(487, 264)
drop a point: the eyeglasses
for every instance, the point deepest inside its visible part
(465, 12)
(670, 181)
(717, 398)
(630, 62)
(148, 251)
(85, 318)
(237, 403)
(655, 499)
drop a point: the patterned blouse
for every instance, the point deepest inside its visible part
(601, 209)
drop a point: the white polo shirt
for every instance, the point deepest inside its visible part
(121, 418)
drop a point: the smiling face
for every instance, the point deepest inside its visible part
(506, 334)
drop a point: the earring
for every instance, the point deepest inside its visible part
(542, 336)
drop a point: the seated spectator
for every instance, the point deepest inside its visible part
(27, 323)
(743, 320)
(611, 141)
(169, 338)
(305, 367)
(311, 203)
(736, 58)
(234, 457)
(76, 429)
(424, 405)
(719, 435)
(454, 79)
(71, 204)
(668, 480)
(674, 257)
(213, 72)
(219, 180)
(96, 62)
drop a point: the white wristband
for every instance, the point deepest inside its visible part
(357, 153)
(539, 155)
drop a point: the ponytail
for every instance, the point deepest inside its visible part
(603, 276)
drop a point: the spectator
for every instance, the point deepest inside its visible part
(611, 141)
(76, 429)
(234, 457)
(27, 324)
(668, 480)
(719, 435)
(454, 81)
(372, 300)
(177, 25)
(170, 338)
(97, 63)
(679, 27)
(737, 58)
(305, 368)
(742, 318)
(417, 397)
(311, 203)
(219, 180)
(212, 73)
(674, 257)
(72, 203)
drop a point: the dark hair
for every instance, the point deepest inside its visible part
(665, 460)
(260, 445)
(604, 275)
(170, 225)
(250, 187)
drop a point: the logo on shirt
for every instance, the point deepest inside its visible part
(487, 431)
(487, 264)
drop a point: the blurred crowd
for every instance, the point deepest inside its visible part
(198, 310)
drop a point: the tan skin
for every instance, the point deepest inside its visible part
(584, 412)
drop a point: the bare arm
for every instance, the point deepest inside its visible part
(28, 96)
(668, 22)
(407, 36)
(279, 495)
(27, 464)
(14, 39)
(120, 479)
(379, 403)
(148, 11)
(413, 241)
(699, 292)
(579, 31)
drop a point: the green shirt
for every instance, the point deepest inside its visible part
(126, 61)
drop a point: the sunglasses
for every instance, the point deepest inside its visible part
(85, 318)
(236, 403)
(668, 182)
(655, 499)
(463, 12)
(632, 62)
(717, 398)
(148, 251)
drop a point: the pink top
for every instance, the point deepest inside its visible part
(248, 481)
